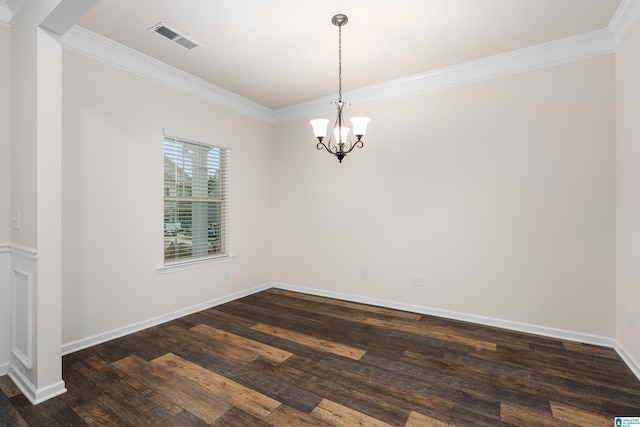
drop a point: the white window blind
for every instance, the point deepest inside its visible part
(196, 191)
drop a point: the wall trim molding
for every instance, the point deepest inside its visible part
(4, 368)
(32, 393)
(23, 251)
(11, 10)
(154, 321)
(579, 47)
(557, 52)
(626, 17)
(628, 359)
(88, 43)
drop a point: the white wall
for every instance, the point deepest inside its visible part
(5, 134)
(628, 195)
(501, 193)
(113, 200)
(24, 128)
(5, 196)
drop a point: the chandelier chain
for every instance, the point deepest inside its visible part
(340, 63)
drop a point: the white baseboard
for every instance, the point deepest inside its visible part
(628, 359)
(481, 320)
(33, 394)
(562, 334)
(138, 326)
(4, 369)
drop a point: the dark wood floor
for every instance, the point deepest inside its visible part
(288, 359)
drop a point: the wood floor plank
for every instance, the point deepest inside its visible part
(108, 412)
(515, 378)
(257, 376)
(447, 389)
(285, 415)
(591, 350)
(184, 419)
(340, 416)
(236, 394)
(306, 308)
(221, 320)
(315, 343)
(482, 383)
(264, 313)
(185, 394)
(347, 304)
(8, 388)
(189, 341)
(236, 417)
(444, 336)
(152, 406)
(417, 419)
(580, 417)
(521, 415)
(227, 338)
(9, 416)
(337, 382)
(53, 412)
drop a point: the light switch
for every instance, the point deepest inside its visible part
(15, 219)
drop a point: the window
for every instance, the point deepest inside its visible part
(195, 201)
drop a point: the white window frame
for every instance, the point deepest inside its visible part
(182, 166)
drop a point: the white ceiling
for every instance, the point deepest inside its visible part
(283, 52)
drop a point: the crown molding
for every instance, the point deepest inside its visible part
(626, 17)
(88, 43)
(5, 14)
(583, 46)
(11, 10)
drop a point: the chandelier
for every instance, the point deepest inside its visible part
(339, 143)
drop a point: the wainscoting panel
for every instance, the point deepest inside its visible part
(23, 367)
(22, 316)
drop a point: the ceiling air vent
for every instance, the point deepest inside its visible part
(173, 35)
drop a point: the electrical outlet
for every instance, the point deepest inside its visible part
(227, 275)
(418, 281)
(364, 275)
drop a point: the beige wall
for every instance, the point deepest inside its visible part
(24, 130)
(628, 194)
(5, 197)
(5, 134)
(113, 199)
(501, 194)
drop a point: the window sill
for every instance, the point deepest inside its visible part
(188, 265)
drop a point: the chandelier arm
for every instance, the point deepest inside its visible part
(358, 144)
(321, 145)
